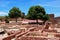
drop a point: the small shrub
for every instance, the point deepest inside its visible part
(6, 20)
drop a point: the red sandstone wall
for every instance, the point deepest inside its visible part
(51, 18)
(32, 38)
(36, 38)
(13, 35)
(57, 19)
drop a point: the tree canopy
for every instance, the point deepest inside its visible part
(14, 12)
(36, 12)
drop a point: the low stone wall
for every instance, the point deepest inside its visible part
(13, 35)
(31, 38)
(47, 30)
(57, 35)
(36, 33)
(36, 38)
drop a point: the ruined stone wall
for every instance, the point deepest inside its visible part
(57, 19)
(36, 38)
(51, 16)
(13, 35)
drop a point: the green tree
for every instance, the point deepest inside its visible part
(15, 13)
(36, 12)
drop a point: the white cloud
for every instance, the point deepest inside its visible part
(3, 13)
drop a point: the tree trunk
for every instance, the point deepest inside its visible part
(37, 22)
(44, 22)
(16, 19)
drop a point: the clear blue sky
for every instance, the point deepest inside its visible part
(51, 6)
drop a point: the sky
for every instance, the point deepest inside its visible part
(51, 6)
